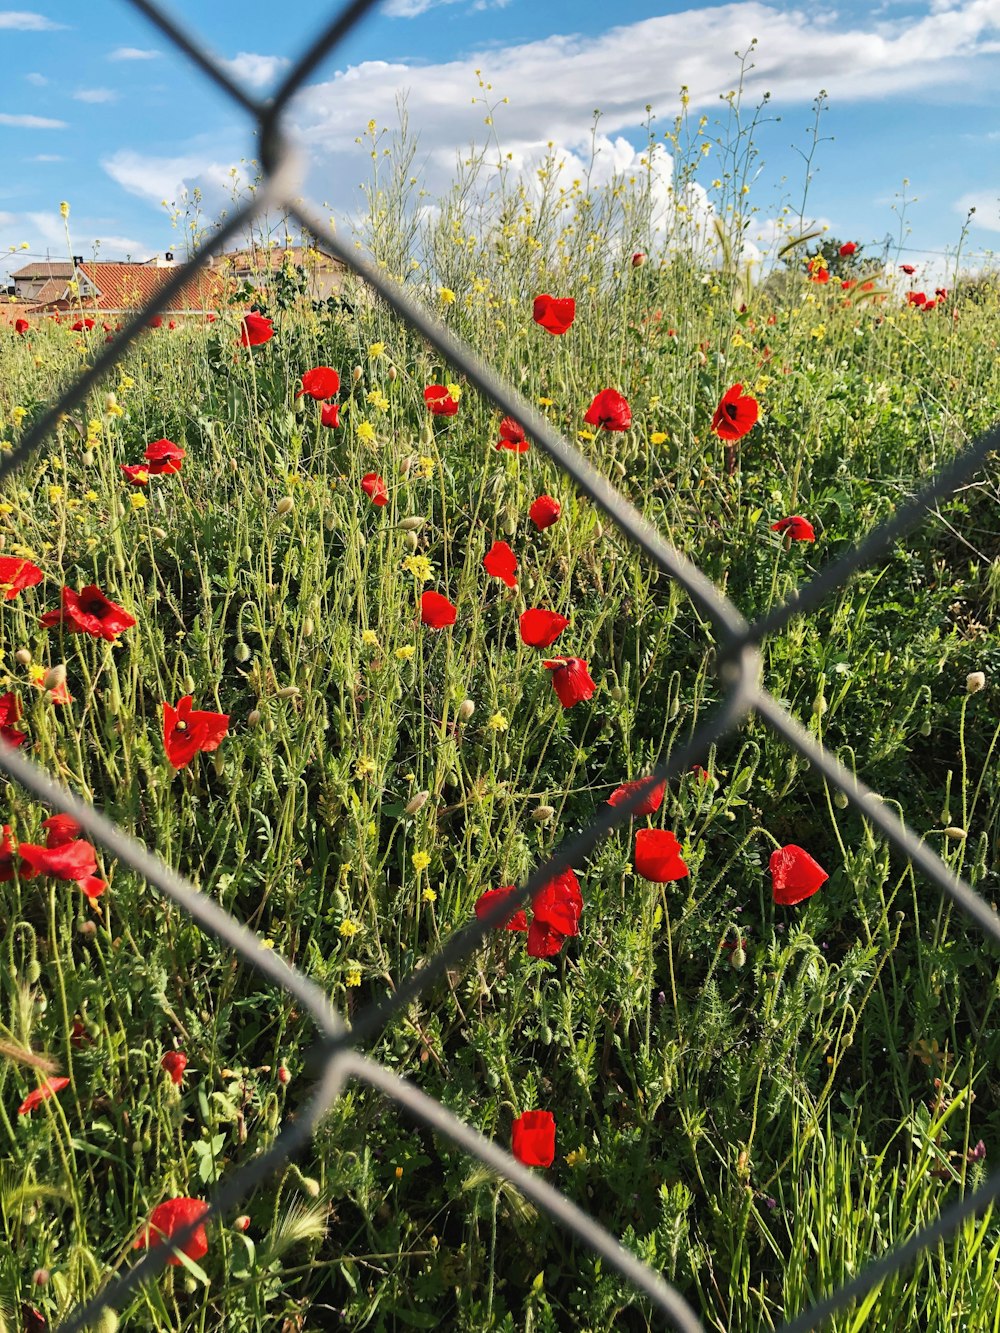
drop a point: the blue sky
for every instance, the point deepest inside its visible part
(97, 109)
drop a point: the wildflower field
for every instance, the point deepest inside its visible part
(306, 616)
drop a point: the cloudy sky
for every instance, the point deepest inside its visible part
(98, 109)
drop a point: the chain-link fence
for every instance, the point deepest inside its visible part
(336, 1057)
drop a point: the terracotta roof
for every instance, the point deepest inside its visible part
(262, 258)
(125, 287)
(46, 270)
(51, 290)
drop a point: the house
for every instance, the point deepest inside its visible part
(324, 274)
(113, 290)
(33, 280)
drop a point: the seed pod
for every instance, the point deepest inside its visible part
(543, 813)
(23, 655)
(54, 677)
(416, 802)
(465, 710)
(285, 505)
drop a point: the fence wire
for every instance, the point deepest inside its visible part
(335, 1055)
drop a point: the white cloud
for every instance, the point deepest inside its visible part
(32, 122)
(255, 70)
(21, 20)
(38, 80)
(174, 178)
(47, 157)
(132, 53)
(987, 206)
(96, 96)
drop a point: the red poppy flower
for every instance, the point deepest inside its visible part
(512, 437)
(795, 876)
(155, 323)
(908, 269)
(330, 415)
(610, 411)
(543, 940)
(554, 313)
(16, 575)
(89, 612)
(487, 901)
(10, 712)
(736, 414)
(820, 275)
(172, 324)
(83, 326)
(848, 284)
(941, 293)
(256, 329)
(797, 528)
(658, 856)
(847, 249)
(48, 1089)
(929, 305)
(916, 298)
(186, 731)
(570, 680)
(137, 473)
(172, 1216)
(71, 861)
(21, 326)
(440, 401)
(374, 487)
(638, 259)
(93, 886)
(540, 628)
(319, 383)
(868, 287)
(559, 903)
(210, 319)
(175, 1063)
(80, 1037)
(8, 854)
(60, 829)
(649, 804)
(533, 1138)
(436, 611)
(163, 458)
(501, 562)
(544, 512)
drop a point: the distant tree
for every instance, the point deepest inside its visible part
(853, 264)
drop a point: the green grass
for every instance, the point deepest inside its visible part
(757, 1133)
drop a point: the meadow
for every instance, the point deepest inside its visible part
(759, 1098)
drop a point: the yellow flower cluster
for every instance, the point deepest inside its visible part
(419, 566)
(421, 861)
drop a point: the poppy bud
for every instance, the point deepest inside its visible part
(242, 652)
(738, 957)
(404, 467)
(161, 533)
(23, 655)
(956, 834)
(543, 813)
(289, 692)
(87, 928)
(617, 693)
(356, 374)
(393, 372)
(840, 800)
(638, 260)
(308, 627)
(410, 541)
(329, 522)
(241, 1223)
(975, 681)
(925, 727)
(253, 717)
(509, 522)
(598, 530)
(847, 1040)
(34, 971)
(427, 434)
(465, 710)
(284, 1077)
(219, 763)
(88, 458)
(54, 677)
(285, 505)
(40, 1277)
(416, 803)
(412, 524)
(819, 705)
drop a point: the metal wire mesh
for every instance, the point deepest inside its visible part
(739, 673)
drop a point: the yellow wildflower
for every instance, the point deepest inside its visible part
(658, 437)
(56, 493)
(17, 414)
(405, 653)
(376, 349)
(127, 382)
(447, 298)
(353, 977)
(429, 896)
(419, 566)
(546, 402)
(378, 400)
(369, 638)
(586, 435)
(425, 467)
(366, 432)
(348, 928)
(364, 767)
(137, 501)
(455, 390)
(576, 1156)
(498, 722)
(420, 861)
